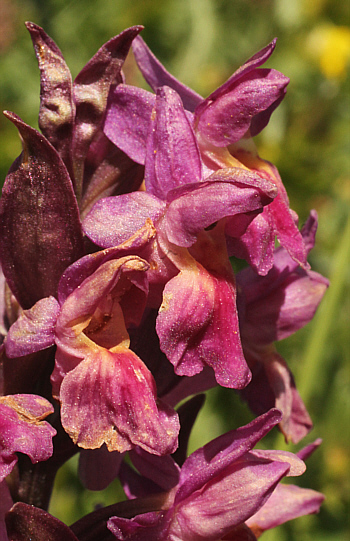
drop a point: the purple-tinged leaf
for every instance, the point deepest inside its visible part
(34, 330)
(57, 109)
(27, 523)
(188, 413)
(91, 88)
(40, 231)
(128, 118)
(157, 76)
(172, 157)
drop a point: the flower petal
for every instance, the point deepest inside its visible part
(228, 192)
(157, 76)
(23, 430)
(226, 500)
(286, 503)
(211, 460)
(128, 119)
(197, 325)
(227, 118)
(172, 157)
(113, 220)
(111, 398)
(34, 330)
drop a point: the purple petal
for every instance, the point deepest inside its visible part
(128, 119)
(227, 500)
(116, 416)
(256, 245)
(227, 118)
(74, 275)
(284, 310)
(286, 229)
(23, 430)
(211, 460)
(114, 220)
(228, 192)
(197, 326)
(91, 89)
(254, 62)
(256, 287)
(172, 157)
(286, 503)
(34, 329)
(297, 466)
(307, 451)
(273, 385)
(157, 76)
(25, 523)
(40, 231)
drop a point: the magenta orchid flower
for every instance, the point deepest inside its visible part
(237, 110)
(218, 488)
(197, 323)
(100, 297)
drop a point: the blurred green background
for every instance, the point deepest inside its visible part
(202, 42)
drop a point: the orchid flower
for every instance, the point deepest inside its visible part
(223, 124)
(218, 489)
(197, 323)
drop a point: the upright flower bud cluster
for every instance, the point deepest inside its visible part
(118, 225)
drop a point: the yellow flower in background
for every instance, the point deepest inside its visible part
(329, 45)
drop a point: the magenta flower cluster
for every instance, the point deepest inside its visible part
(119, 225)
